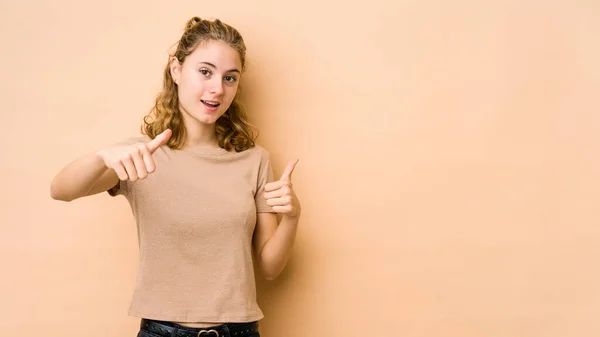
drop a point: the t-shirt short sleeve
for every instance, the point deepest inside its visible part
(121, 188)
(265, 176)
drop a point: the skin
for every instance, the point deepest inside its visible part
(211, 73)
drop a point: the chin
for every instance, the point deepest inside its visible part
(207, 118)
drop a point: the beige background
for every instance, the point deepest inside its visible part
(448, 161)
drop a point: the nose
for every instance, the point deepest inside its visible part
(216, 87)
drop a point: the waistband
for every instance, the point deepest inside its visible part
(169, 329)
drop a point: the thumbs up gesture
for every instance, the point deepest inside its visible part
(280, 194)
(133, 162)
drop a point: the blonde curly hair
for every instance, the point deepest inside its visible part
(232, 129)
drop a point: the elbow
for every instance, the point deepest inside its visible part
(270, 265)
(270, 275)
(56, 194)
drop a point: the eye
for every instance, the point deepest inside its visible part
(230, 79)
(205, 71)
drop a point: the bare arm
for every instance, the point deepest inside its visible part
(99, 171)
(273, 242)
(82, 177)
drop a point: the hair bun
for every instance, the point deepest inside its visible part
(192, 22)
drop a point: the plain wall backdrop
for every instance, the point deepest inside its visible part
(448, 161)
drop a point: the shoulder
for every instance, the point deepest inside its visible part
(259, 150)
(260, 153)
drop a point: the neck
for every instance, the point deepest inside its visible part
(201, 135)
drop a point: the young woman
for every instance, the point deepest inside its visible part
(202, 193)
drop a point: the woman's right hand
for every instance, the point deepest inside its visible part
(133, 162)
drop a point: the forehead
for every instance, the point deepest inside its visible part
(218, 53)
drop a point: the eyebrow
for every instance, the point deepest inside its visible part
(228, 71)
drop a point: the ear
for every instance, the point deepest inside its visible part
(175, 68)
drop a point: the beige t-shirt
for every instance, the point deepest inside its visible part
(195, 217)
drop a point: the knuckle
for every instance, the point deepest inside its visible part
(141, 147)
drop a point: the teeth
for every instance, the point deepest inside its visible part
(211, 103)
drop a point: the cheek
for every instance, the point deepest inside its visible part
(231, 92)
(191, 85)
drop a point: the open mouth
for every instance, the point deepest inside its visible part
(210, 104)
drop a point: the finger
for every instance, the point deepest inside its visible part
(139, 164)
(286, 200)
(159, 140)
(285, 190)
(120, 171)
(130, 168)
(282, 209)
(147, 158)
(275, 185)
(287, 173)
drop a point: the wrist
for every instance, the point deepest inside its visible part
(292, 217)
(98, 158)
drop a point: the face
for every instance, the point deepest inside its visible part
(207, 81)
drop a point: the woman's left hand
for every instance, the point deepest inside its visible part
(280, 194)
